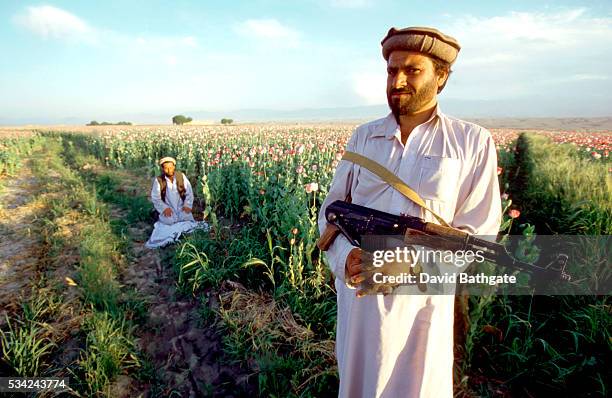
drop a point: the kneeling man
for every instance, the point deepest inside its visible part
(172, 197)
(172, 194)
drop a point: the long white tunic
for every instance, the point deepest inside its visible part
(169, 229)
(402, 345)
(173, 201)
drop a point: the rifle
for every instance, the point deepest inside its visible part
(354, 221)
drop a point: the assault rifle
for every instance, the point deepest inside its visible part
(354, 222)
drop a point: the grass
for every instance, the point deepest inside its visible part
(293, 354)
(77, 226)
(29, 341)
(540, 345)
(290, 359)
(24, 347)
(559, 190)
(109, 352)
(533, 349)
(202, 260)
(98, 267)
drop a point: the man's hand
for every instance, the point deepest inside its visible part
(354, 264)
(360, 271)
(167, 212)
(187, 209)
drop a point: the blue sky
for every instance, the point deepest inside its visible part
(102, 60)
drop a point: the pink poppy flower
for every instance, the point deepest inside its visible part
(311, 187)
(514, 213)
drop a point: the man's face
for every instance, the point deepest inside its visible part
(168, 168)
(412, 83)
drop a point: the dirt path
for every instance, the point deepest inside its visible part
(19, 244)
(184, 350)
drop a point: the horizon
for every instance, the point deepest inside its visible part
(81, 62)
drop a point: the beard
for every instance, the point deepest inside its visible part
(407, 105)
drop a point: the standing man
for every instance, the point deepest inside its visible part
(172, 194)
(402, 345)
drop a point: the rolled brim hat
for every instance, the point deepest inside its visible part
(428, 41)
(167, 159)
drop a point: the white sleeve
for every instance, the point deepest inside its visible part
(479, 211)
(339, 189)
(188, 192)
(159, 205)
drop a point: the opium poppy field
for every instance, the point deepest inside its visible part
(248, 307)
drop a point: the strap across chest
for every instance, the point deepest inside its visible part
(391, 179)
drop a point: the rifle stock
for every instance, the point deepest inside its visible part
(328, 237)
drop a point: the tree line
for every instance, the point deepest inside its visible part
(182, 119)
(95, 123)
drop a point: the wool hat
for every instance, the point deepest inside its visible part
(425, 40)
(167, 159)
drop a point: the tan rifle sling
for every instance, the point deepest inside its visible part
(391, 179)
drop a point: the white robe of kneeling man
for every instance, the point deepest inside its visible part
(169, 229)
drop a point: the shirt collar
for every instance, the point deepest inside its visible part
(390, 129)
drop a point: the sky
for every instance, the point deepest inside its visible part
(103, 60)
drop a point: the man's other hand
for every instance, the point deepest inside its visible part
(360, 270)
(187, 209)
(354, 262)
(167, 212)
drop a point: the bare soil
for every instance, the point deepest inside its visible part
(185, 350)
(19, 244)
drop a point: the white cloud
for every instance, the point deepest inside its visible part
(515, 53)
(491, 59)
(518, 54)
(540, 28)
(370, 86)
(270, 31)
(52, 22)
(520, 33)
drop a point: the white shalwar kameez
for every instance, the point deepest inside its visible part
(169, 229)
(401, 345)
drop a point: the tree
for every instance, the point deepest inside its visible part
(95, 123)
(181, 119)
(227, 121)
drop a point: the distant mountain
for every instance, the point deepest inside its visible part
(469, 109)
(512, 113)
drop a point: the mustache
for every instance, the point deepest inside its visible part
(402, 91)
